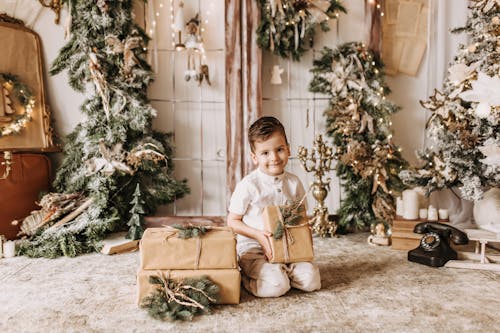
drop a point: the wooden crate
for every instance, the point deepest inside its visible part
(405, 240)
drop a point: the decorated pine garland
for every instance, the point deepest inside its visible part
(358, 120)
(287, 27)
(16, 122)
(180, 300)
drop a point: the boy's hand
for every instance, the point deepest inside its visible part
(263, 239)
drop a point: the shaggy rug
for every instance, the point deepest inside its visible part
(365, 289)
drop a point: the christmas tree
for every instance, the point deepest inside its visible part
(464, 124)
(114, 148)
(358, 120)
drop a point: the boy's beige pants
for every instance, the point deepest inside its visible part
(264, 279)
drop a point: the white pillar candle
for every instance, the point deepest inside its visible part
(399, 206)
(422, 213)
(9, 249)
(410, 205)
(432, 214)
(443, 214)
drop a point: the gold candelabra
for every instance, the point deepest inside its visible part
(319, 160)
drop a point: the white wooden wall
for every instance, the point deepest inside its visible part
(196, 115)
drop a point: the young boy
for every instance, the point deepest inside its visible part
(269, 185)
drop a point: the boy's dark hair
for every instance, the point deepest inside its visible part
(263, 128)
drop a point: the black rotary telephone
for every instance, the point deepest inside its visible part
(434, 249)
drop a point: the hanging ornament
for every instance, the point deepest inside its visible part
(486, 92)
(491, 150)
(197, 70)
(178, 26)
(276, 74)
(127, 48)
(111, 160)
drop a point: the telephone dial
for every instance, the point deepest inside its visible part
(434, 249)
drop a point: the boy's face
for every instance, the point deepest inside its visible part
(271, 155)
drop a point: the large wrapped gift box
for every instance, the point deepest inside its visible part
(228, 281)
(295, 245)
(161, 248)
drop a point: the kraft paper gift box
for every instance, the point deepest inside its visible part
(295, 245)
(228, 281)
(161, 248)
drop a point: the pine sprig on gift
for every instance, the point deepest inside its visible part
(180, 300)
(292, 215)
(190, 230)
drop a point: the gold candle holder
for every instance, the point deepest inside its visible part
(319, 160)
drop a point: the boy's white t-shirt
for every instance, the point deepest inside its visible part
(256, 191)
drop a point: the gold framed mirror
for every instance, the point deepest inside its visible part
(24, 114)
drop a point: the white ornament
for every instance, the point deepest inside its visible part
(461, 72)
(485, 91)
(492, 152)
(276, 74)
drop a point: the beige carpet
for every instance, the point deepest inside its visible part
(365, 289)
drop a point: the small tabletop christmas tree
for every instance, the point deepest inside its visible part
(358, 120)
(464, 125)
(114, 148)
(136, 221)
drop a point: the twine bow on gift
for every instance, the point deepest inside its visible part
(190, 231)
(286, 234)
(288, 218)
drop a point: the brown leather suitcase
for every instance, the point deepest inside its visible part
(20, 189)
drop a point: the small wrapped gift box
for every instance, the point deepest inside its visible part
(291, 240)
(228, 281)
(162, 248)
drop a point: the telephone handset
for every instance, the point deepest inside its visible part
(434, 249)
